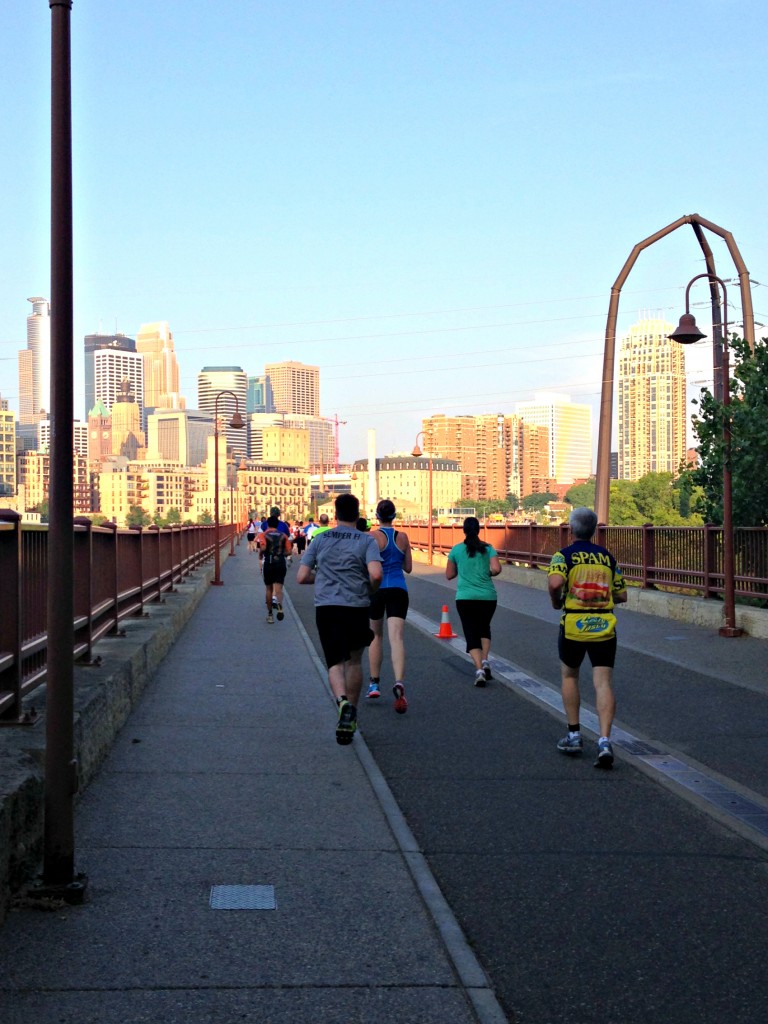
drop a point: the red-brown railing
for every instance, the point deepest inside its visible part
(116, 573)
(682, 558)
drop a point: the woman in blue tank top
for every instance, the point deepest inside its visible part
(391, 599)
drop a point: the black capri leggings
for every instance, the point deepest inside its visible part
(476, 621)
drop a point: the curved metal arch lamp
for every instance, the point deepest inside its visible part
(603, 474)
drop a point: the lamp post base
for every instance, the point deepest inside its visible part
(217, 583)
(73, 893)
(730, 631)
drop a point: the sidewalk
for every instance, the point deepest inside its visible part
(227, 775)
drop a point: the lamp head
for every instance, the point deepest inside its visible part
(237, 421)
(686, 331)
(416, 451)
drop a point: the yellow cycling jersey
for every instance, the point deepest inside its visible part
(592, 577)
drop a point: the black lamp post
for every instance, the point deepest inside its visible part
(686, 333)
(231, 473)
(417, 454)
(237, 422)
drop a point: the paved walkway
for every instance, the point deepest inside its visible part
(226, 784)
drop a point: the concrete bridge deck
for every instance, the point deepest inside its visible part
(450, 866)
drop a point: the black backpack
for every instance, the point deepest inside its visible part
(274, 548)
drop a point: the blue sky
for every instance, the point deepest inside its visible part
(429, 200)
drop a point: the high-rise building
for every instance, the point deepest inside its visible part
(179, 436)
(484, 447)
(111, 368)
(79, 437)
(154, 343)
(295, 387)
(7, 451)
(652, 401)
(322, 444)
(570, 434)
(35, 364)
(211, 381)
(92, 344)
(127, 435)
(259, 395)
(532, 460)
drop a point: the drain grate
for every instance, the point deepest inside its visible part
(243, 897)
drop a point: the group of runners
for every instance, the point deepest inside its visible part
(359, 577)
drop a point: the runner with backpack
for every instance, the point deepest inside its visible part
(275, 548)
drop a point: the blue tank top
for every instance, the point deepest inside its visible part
(392, 561)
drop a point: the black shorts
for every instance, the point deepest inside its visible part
(476, 621)
(342, 630)
(392, 600)
(274, 573)
(602, 653)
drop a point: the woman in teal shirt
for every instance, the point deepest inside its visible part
(475, 562)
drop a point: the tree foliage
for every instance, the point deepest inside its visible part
(749, 439)
(656, 498)
(137, 516)
(582, 495)
(536, 502)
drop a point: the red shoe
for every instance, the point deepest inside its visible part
(401, 704)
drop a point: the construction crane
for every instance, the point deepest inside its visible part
(336, 424)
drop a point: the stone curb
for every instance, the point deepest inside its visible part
(104, 697)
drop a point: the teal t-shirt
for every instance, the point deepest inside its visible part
(474, 583)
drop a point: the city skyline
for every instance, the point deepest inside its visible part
(435, 242)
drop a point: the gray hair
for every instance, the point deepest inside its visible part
(583, 523)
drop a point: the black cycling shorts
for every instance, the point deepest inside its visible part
(602, 653)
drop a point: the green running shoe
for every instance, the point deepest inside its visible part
(345, 728)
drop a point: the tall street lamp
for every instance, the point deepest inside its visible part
(238, 422)
(687, 333)
(417, 454)
(231, 473)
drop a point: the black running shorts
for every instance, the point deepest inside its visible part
(274, 574)
(342, 630)
(392, 600)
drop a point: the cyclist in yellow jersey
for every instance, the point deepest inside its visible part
(585, 582)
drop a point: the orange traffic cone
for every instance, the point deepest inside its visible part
(446, 631)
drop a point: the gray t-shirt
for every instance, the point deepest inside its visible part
(340, 557)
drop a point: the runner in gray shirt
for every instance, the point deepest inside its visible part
(345, 567)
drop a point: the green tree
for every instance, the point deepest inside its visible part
(137, 516)
(536, 502)
(205, 518)
(173, 517)
(623, 507)
(581, 495)
(749, 439)
(42, 508)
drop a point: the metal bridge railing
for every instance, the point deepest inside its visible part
(116, 573)
(687, 559)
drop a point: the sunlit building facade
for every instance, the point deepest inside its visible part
(35, 364)
(570, 434)
(154, 343)
(652, 401)
(294, 387)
